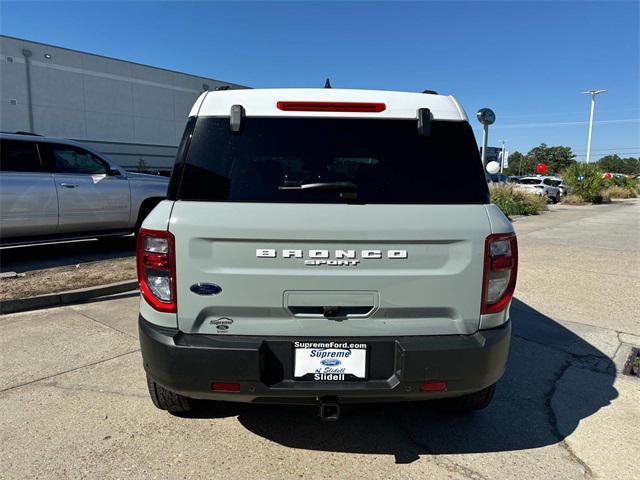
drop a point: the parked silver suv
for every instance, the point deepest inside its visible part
(309, 252)
(543, 186)
(52, 188)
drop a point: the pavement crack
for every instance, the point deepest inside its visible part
(442, 462)
(569, 362)
(55, 384)
(587, 361)
(37, 380)
(104, 324)
(453, 467)
(620, 343)
(565, 322)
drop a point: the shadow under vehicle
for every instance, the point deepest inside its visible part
(524, 414)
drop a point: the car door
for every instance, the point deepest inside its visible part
(91, 196)
(28, 200)
(552, 191)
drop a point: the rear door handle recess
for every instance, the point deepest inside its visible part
(69, 185)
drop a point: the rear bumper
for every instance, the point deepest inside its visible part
(263, 366)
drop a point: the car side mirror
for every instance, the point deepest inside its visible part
(112, 172)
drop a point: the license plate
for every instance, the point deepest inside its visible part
(330, 361)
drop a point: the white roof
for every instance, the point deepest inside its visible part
(262, 103)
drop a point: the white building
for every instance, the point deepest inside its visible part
(133, 113)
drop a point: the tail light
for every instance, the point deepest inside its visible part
(500, 271)
(157, 269)
(289, 106)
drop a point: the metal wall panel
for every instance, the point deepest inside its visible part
(134, 113)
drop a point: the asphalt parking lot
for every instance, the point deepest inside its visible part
(74, 402)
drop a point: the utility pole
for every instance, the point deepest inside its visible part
(520, 165)
(593, 94)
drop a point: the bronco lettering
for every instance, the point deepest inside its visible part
(324, 257)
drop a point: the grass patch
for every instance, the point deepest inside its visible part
(602, 197)
(59, 279)
(513, 201)
(616, 191)
(573, 200)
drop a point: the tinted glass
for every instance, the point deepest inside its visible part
(69, 159)
(379, 161)
(530, 181)
(497, 177)
(176, 174)
(19, 156)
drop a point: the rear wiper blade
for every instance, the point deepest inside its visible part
(321, 186)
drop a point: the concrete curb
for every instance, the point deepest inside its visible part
(65, 298)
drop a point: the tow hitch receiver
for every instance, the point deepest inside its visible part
(329, 409)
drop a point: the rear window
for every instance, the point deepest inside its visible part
(19, 156)
(530, 181)
(353, 160)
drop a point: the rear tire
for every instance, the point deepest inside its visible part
(472, 401)
(167, 400)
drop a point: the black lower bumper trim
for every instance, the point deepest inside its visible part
(263, 366)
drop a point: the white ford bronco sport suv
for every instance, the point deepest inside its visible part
(308, 252)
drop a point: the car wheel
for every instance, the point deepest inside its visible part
(556, 199)
(472, 401)
(167, 400)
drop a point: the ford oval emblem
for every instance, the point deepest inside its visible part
(330, 362)
(205, 289)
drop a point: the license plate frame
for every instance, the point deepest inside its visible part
(331, 361)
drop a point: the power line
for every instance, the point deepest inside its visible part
(610, 149)
(584, 154)
(566, 124)
(527, 115)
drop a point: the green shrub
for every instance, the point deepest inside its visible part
(513, 201)
(584, 180)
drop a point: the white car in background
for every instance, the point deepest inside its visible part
(563, 187)
(543, 186)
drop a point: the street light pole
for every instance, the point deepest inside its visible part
(593, 94)
(485, 141)
(486, 117)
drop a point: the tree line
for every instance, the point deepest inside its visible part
(559, 158)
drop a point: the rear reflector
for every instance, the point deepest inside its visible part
(331, 107)
(225, 387)
(433, 387)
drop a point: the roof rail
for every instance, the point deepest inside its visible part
(431, 92)
(20, 132)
